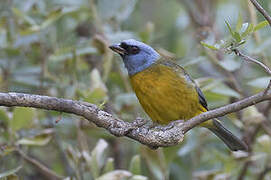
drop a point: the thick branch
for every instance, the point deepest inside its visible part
(115, 126)
(143, 134)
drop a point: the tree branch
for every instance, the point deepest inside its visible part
(42, 168)
(250, 59)
(264, 172)
(249, 101)
(255, 129)
(142, 133)
(261, 10)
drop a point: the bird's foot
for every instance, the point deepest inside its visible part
(139, 122)
(121, 131)
(165, 127)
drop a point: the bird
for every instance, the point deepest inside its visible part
(166, 91)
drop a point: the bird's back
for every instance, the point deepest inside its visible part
(166, 92)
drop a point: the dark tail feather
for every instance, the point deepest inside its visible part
(227, 137)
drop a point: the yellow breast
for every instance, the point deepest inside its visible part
(165, 94)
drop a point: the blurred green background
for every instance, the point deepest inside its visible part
(60, 48)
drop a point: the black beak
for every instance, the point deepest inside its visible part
(116, 48)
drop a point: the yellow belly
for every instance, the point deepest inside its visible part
(165, 95)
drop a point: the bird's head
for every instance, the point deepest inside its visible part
(136, 55)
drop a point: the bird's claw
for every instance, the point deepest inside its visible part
(120, 131)
(165, 127)
(139, 122)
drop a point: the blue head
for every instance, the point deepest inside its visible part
(136, 55)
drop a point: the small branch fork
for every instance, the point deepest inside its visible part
(256, 128)
(247, 58)
(250, 59)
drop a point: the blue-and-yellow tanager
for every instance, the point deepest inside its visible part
(165, 90)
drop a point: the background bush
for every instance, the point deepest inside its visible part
(60, 48)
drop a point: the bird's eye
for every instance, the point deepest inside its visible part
(124, 45)
(134, 50)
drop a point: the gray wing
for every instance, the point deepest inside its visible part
(202, 99)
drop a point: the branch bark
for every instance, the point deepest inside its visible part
(251, 138)
(250, 59)
(261, 10)
(136, 130)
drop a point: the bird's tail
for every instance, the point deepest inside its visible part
(227, 137)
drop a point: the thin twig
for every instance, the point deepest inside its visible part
(243, 170)
(43, 169)
(218, 112)
(264, 172)
(268, 18)
(261, 10)
(250, 138)
(255, 129)
(268, 87)
(250, 59)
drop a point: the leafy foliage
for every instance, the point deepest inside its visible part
(60, 48)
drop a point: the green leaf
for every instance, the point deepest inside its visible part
(251, 116)
(265, 142)
(53, 16)
(73, 156)
(109, 165)
(22, 118)
(239, 23)
(229, 28)
(225, 90)
(171, 152)
(156, 162)
(116, 175)
(209, 46)
(3, 116)
(135, 165)
(50, 19)
(260, 25)
(39, 140)
(237, 36)
(86, 156)
(63, 54)
(261, 82)
(248, 30)
(193, 61)
(230, 64)
(138, 177)
(98, 91)
(13, 177)
(97, 96)
(7, 150)
(98, 156)
(147, 32)
(10, 172)
(26, 18)
(119, 10)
